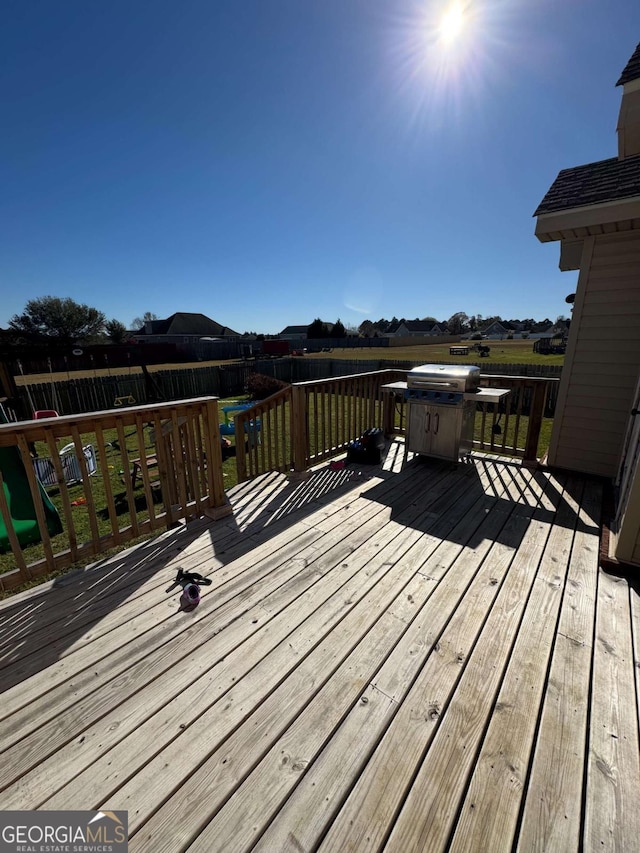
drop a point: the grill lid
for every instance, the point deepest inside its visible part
(446, 377)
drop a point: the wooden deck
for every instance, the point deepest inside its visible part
(420, 657)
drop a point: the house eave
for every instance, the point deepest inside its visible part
(590, 220)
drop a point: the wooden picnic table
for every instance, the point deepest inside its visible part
(151, 462)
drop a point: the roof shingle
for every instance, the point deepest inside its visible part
(186, 323)
(593, 183)
(631, 69)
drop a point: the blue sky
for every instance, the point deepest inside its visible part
(267, 162)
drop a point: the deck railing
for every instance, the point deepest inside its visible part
(513, 427)
(267, 428)
(309, 422)
(121, 474)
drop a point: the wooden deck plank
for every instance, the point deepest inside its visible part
(489, 815)
(552, 813)
(370, 563)
(612, 810)
(244, 594)
(338, 544)
(139, 616)
(58, 604)
(404, 659)
(171, 821)
(428, 814)
(305, 814)
(371, 807)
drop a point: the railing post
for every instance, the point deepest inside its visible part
(299, 432)
(218, 505)
(536, 412)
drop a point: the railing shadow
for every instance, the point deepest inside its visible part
(40, 628)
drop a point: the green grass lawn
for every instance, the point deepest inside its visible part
(501, 352)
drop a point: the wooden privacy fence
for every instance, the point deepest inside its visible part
(313, 421)
(94, 393)
(111, 477)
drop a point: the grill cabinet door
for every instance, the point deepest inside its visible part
(446, 422)
(418, 428)
(434, 430)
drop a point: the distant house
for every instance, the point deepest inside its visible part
(294, 333)
(416, 328)
(498, 330)
(553, 330)
(184, 328)
(298, 333)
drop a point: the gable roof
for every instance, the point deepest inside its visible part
(594, 183)
(294, 330)
(419, 325)
(631, 69)
(186, 323)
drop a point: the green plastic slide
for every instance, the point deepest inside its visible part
(18, 495)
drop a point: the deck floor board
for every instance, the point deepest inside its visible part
(412, 656)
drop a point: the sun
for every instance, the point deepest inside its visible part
(452, 23)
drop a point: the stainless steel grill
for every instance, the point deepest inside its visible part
(441, 409)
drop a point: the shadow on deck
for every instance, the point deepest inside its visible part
(416, 656)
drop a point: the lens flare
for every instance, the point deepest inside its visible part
(447, 55)
(452, 24)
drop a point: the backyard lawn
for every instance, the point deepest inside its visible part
(501, 352)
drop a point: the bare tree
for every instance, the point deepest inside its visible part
(138, 322)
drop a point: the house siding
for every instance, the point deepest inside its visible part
(628, 542)
(627, 521)
(603, 358)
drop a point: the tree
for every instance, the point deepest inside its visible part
(61, 320)
(116, 331)
(147, 317)
(429, 320)
(338, 330)
(457, 323)
(318, 329)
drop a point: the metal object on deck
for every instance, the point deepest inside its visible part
(441, 403)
